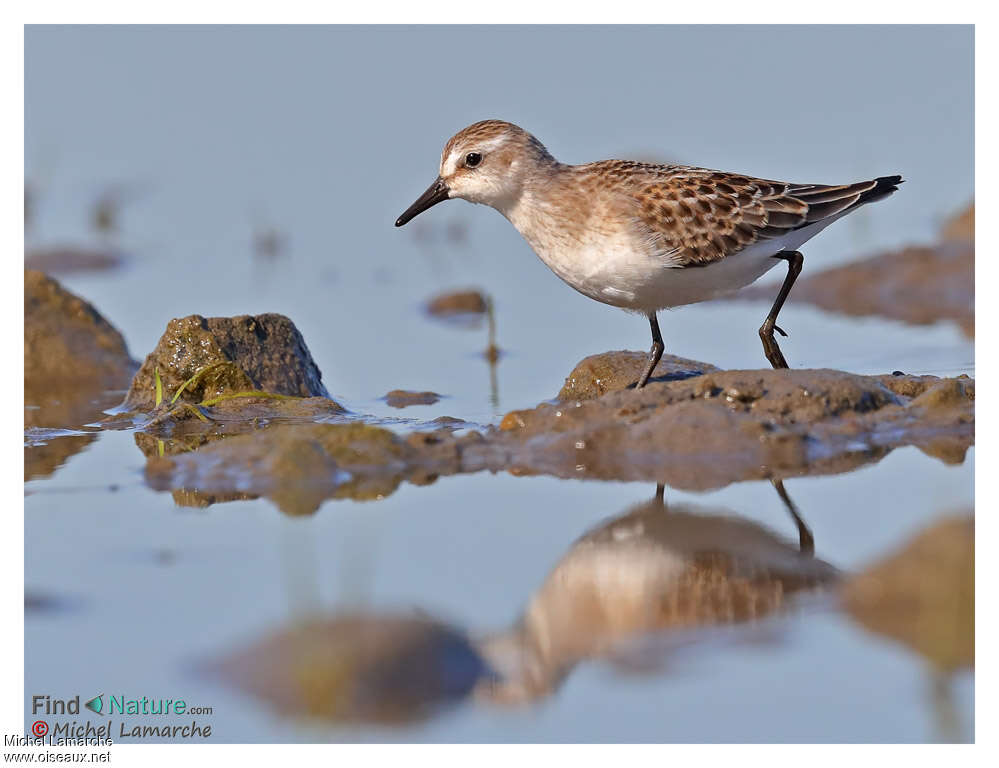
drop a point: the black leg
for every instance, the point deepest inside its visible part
(660, 499)
(806, 543)
(770, 348)
(655, 354)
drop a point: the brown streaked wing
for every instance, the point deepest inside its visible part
(696, 216)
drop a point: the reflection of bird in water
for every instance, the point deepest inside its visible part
(654, 569)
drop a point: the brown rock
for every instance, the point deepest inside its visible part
(67, 340)
(232, 354)
(598, 374)
(707, 431)
(458, 303)
(697, 433)
(400, 398)
(74, 360)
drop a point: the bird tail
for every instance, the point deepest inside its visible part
(883, 186)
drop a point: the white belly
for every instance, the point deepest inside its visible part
(614, 273)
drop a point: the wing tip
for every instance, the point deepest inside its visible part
(883, 186)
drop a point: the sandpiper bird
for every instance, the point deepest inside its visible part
(643, 236)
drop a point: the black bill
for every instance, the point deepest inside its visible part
(437, 192)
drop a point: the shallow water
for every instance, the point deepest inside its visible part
(282, 128)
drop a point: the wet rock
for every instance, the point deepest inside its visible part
(67, 340)
(231, 355)
(709, 430)
(697, 433)
(924, 595)
(449, 422)
(400, 398)
(385, 669)
(632, 583)
(458, 303)
(73, 358)
(597, 375)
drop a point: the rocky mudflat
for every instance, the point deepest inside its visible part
(699, 431)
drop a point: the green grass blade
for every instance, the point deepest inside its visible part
(195, 377)
(251, 393)
(159, 389)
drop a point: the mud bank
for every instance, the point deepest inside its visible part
(707, 431)
(918, 285)
(697, 433)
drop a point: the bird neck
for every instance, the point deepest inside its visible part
(540, 211)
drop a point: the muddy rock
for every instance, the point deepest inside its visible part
(710, 430)
(232, 355)
(458, 303)
(67, 340)
(924, 595)
(74, 361)
(356, 668)
(697, 433)
(597, 375)
(400, 398)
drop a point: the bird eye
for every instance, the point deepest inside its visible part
(472, 159)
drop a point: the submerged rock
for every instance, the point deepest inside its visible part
(597, 375)
(229, 355)
(400, 398)
(357, 668)
(924, 595)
